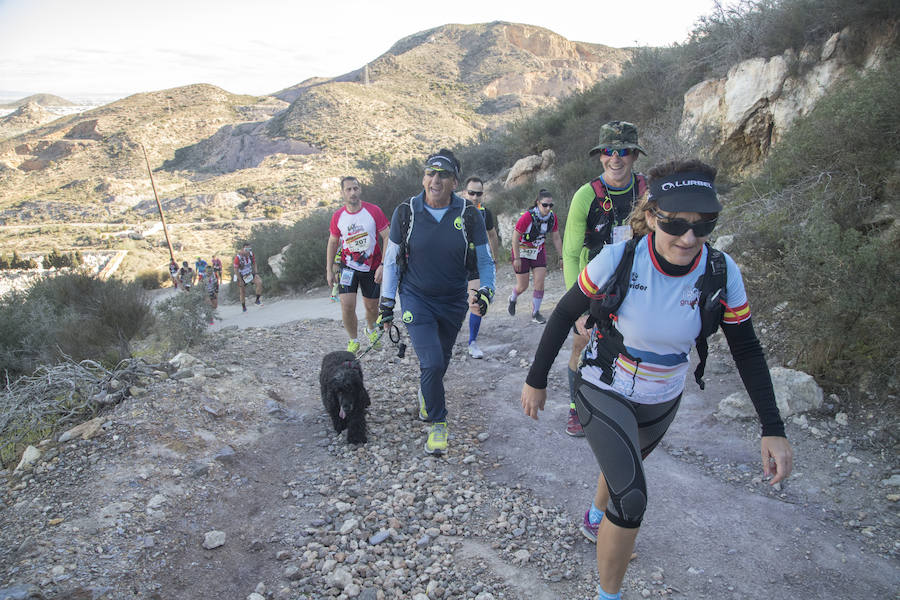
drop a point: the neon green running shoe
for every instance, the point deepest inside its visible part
(423, 412)
(353, 346)
(437, 438)
(374, 338)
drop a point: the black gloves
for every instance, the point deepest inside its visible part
(483, 297)
(385, 312)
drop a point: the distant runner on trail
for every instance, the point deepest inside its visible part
(212, 289)
(529, 252)
(200, 269)
(186, 276)
(361, 231)
(649, 298)
(217, 267)
(474, 193)
(245, 273)
(173, 272)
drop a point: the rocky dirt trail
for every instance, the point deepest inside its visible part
(221, 479)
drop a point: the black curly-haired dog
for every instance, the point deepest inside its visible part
(344, 395)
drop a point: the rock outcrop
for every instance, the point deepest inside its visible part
(739, 117)
(530, 168)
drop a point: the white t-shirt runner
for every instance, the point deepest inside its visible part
(659, 321)
(360, 247)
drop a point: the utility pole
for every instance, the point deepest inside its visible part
(158, 204)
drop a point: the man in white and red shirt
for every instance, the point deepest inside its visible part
(357, 227)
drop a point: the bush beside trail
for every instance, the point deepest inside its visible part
(73, 315)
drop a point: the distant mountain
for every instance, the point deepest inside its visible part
(90, 165)
(435, 88)
(40, 99)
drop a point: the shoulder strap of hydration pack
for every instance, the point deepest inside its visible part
(712, 286)
(612, 294)
(406, 214)
(468, 217)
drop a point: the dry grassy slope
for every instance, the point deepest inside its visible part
(25, 117)
(93, 157)
(434, 88)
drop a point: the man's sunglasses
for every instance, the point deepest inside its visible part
(474, 193)
(441, 174)
(678, 227)
(622, 153)
(547, 204)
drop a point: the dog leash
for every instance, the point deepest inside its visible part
(393, 335)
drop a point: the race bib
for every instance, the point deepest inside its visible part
(621, 233)
(529, 252)
(248, 278)
(346, 277)
(358, 242)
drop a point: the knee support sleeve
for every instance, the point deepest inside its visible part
(610, 426)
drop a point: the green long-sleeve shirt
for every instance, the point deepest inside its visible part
(575, 254)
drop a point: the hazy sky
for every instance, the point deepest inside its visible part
(79, 47)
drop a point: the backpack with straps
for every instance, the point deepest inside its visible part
(712, 286)
(536, 227)
(407, 221)
(602, 213)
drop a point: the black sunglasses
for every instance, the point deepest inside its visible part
(441, 174)
(678, 227)
(547, 205)
(474, 193)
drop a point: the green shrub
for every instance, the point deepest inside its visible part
(152, 279)
(16, 262)
(73, 314)
(182, 319)
(59, 261)
(26, 329)
(304, 261)
(389, 188)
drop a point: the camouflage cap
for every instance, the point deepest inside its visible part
(618, 135)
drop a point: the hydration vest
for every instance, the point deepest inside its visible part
(602, 213)
(610, 297)
(407, 221)
(245, 265)
(538, 229)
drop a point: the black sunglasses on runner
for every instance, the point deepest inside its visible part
(678, 227)
(474, 193)
(547, 204)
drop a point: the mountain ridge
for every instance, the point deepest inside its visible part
(43, 100)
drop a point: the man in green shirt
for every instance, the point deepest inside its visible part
(598, 215)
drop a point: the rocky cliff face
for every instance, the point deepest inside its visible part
(739, 117)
